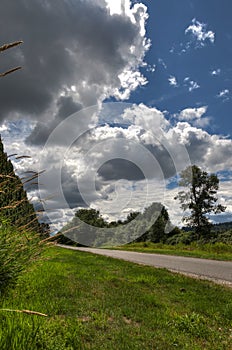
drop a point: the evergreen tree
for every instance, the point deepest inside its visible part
(14, 204)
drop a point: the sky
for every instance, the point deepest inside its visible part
(115, 98)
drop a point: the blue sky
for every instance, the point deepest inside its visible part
(159, 75)
(208, 65)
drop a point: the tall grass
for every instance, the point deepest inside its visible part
(17, 251)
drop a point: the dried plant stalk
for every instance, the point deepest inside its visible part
(10, 45)
(9, 71)
(29, 312)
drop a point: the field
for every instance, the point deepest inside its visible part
(95, 302)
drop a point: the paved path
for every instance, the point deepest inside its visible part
(218, 271)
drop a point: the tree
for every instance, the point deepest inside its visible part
(91, 217)
(14, 204)
(200, 198)
(156, 218)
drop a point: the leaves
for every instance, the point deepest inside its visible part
(199, 198)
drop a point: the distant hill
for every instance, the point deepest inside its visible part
(221, 227)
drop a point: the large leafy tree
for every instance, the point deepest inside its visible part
(199, 198)
(157, 219)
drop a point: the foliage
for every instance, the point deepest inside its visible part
(157, 214)
(14, 204)
(155, 218)
(223, 237)
(200, 198)
(216, 251)
(91, 217)
(17, 250)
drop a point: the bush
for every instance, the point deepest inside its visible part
(17, 250)
(225, 237)
(181, 238)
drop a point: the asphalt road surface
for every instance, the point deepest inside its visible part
(217, 271)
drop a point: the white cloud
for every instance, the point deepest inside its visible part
(129, 81)
(215, 72)
(193, 85)
(212, 152)
(224, 94)
(200, 33)
(173, 81)
(3, 127)
(192, 113)
(115, 7)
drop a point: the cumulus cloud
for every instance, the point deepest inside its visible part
(212, 152)
(199, 32)
(192, 113)
(83, 51)
(123, 165)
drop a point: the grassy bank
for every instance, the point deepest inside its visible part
(217, 251)
(95, 302)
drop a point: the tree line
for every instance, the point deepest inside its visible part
(198, 199)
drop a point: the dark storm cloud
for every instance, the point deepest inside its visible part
(66, 106)
(65, 43)
(117, 169)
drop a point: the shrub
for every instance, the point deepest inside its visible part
(181, 238)
(225, 237)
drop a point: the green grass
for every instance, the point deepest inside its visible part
(95, 302)
(216, 251)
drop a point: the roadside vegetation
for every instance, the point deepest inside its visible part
(95, 302)
(22, 237)
(215, 251)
